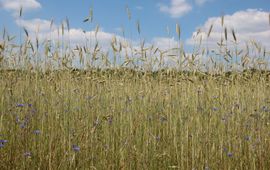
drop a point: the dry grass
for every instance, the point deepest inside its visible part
(133, 112)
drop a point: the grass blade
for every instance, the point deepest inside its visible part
(178, 31)
(209, 31)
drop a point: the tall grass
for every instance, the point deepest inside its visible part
(134, 113)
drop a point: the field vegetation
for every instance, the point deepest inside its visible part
(65, 107)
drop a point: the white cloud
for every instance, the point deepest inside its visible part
(200, 2)
(251, 24)
(35, 25)
(164, 43)
(43, 29)
(15, 5)
(176, 9)
(76, 36)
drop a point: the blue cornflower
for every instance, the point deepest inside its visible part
(20, 105)
(76, 148)
(3, 141)
(23, 125)
(215, 109)
(265, 109)
(229, 154)
(37, 132)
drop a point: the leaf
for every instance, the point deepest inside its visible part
(63, 29)
(234, 36)
(21, 10)
(138, 27)
(210, 30)
(222, 20)
(96, 31)
(178, 31)
(51, 24)
(67, 22)
(226, 34)
(26, 32)
(86, 20)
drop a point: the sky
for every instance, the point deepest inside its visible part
(249, 18)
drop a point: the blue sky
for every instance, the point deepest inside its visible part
(154, 16)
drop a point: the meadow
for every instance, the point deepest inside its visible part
(139, 114)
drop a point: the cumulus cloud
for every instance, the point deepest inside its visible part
(15, 5)
(164, 43)
(45, 30)
(200, 2)
(176, 9)
(250, 24)
(35, 25)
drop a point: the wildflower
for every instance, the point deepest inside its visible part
(229, 154)
(2, 143)
(23, 125)
(27, 154)
(265, 109)
(75, 148)
(215, 109)
(20, 105)
(36, 132)
(110, 120)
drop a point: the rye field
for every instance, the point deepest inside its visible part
(65, 107)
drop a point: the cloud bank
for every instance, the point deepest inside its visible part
(15, 5)
(250, 24)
